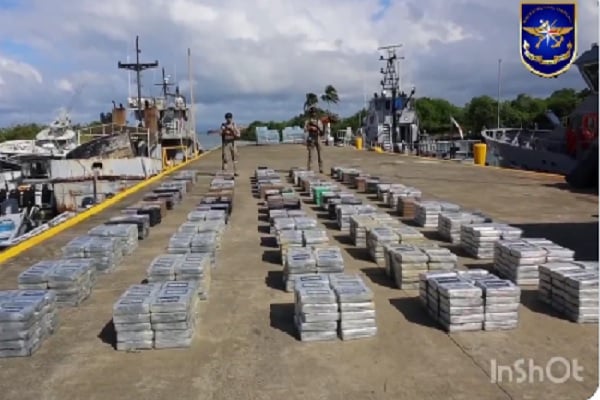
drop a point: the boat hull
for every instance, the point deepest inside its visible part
(506, 155)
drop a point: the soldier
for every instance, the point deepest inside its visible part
(313, 130)
(229, 134)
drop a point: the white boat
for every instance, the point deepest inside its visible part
(13, 148)
(58, 138)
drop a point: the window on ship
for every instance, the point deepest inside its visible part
(591, 73)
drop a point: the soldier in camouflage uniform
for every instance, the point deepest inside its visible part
(229, 134)
(313, 130)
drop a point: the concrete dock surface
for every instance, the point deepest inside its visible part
(245, 346)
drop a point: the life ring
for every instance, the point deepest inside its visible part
(571, 142)
(589, 129)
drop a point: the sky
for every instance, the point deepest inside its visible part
(258, 58)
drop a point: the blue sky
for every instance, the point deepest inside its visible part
(267, 58)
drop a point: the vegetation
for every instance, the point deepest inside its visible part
(29, 131)
(435, 113)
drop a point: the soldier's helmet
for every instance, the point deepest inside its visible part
(228, 115)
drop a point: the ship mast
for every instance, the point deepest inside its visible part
(390, 81)
(192, 108)
(138, 68)
(165, 85)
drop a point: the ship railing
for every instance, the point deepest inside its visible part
(110, 129)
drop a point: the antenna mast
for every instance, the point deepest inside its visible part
(165, 85)
(390, 80)
(138, 68)
(192, 107)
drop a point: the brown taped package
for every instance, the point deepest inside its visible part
(406, 207)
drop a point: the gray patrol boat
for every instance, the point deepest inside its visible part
(561, 149)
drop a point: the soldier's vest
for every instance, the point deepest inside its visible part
(229, 133)
(313, 127)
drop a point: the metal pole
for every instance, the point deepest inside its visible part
(499, 75)
(138, 76)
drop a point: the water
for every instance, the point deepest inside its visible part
(209, 141)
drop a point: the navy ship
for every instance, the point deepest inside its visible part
(561, 149)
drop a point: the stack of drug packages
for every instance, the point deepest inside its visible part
(316, 310)
(319, 188)
(518, 259)
(280, 220)
(27, 318)
(71, 279)
(348, 175)
(426, 212)
(156, 315)
(470, 300)
(346, 201)
(328, 259)
(406, 262)
(371, 184)
(361, 223)
(344, 212)
(105, 253)
(377, 238)
(335, 197)
(142, 221)
(363, 181)
(358, 229)
(173, 314)
(309, 182)
(478, 239)
(398, 192)
(357, 307)
(126, 235)
(298, 174)
(131, 317)
(180, 242)
(189, 175)
(450, 222)
(304, 233)
(182, 267)
(155, 210)
(335, 172)
(571, 288)
(383, 189)
(298, 262)
(407, 207)
(286, 239)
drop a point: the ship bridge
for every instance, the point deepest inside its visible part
(587, 64)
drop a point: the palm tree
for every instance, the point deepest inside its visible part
(311, 100)
(330, 95)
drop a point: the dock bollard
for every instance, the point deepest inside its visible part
(358, 143)
(479, 153)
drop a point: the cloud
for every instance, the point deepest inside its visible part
(258, 59)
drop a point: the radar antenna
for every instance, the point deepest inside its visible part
(138, 68)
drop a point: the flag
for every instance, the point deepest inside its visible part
(460, 132)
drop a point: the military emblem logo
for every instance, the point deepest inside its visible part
(548, 37)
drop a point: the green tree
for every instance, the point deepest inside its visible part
(310, 100)
(330, 95)
(435, 114)
(479, 112)
(562, 102)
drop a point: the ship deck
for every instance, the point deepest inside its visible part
(245, 346)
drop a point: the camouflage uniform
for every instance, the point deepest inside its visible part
(230, 133)
(313, 129)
